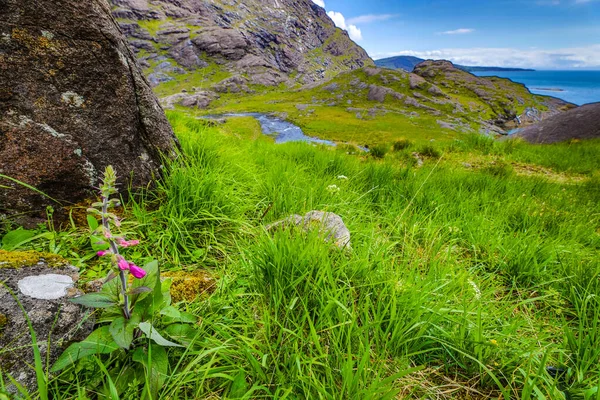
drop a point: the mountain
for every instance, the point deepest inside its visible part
(577, 124)
(234, 45)
(408, 63)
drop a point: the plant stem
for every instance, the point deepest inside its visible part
(115, 251)
(126, 313)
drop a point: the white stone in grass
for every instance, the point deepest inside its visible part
(45, 287)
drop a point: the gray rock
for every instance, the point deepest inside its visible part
(199, 100)
(186, 54)
(43, 291)
(379, 93)
(227, 43)
(234, 84)
(157, 78)
(329, 224)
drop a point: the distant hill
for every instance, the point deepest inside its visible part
(408, 63)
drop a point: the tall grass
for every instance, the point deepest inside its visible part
(462, 283)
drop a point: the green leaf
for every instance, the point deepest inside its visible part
(150, 281)
(122, 329)
(239, 387)
(188, 318)
(98, 342)
(14, 238)
(153, 334)
(139, 290)
(92, 223)
(182, 333)
(171, 312)
(96, 300)
(95, 240)
(155, 361)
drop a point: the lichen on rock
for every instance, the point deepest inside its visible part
(24, 259)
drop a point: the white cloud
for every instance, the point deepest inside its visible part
(340, 21)
(367, 19)
(320, 3)
(566, 58)
(461, 31)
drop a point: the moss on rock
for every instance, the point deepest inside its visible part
(187, 286)
(21, 259)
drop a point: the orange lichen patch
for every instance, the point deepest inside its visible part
(536, 170)
(21, 259)
(35, 43)
(187, 286)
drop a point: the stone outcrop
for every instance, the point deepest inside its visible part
(42, 284)
(72, 101)
(201, 100)
(580, 123)
(269, 41)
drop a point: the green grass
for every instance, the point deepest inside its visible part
(463, 281)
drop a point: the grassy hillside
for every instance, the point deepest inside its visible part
(469, 276)
(372, 106)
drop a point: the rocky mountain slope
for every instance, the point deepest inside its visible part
(580, 123)
(233, 45)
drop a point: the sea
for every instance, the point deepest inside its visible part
(578, 87)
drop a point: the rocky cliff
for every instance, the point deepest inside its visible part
(231, 45)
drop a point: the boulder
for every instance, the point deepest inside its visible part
(192, 100)
(234, 84)
(379, 93)
(329, 224)
(42, 284)
(72, 101)
(577, 124)
(186, 54)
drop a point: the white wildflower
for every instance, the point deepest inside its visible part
(475, 289)
(342, 177)
(333, 189)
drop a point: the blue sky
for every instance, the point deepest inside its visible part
(543, 34)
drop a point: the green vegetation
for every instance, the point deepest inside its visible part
(473, 276)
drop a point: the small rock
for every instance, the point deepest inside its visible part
(329, 224)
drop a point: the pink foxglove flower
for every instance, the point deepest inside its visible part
(123, 264)
(136, 271)
(102, 253)
(128, 243)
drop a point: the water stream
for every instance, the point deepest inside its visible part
(278, 128)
